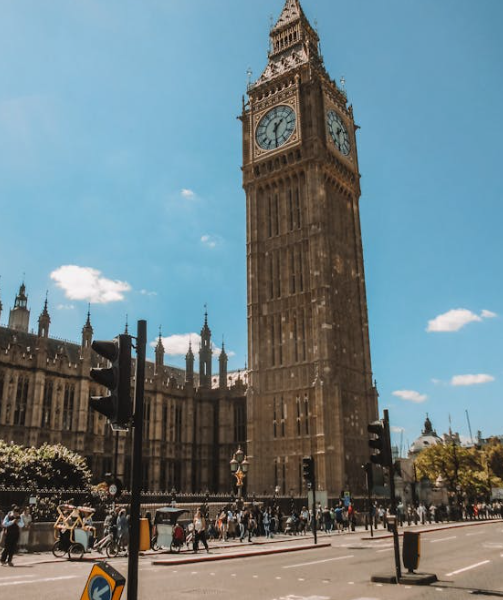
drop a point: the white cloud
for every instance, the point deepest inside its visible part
(65, 307)
(455, 319)
(178, 345)
(488, 314)
(188, 194)
(147, 293)
(410, 395)
(395, 429)
(452, 320)
(209, 241)
(458, 380)
(86, 283)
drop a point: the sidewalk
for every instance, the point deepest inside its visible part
(259, 546)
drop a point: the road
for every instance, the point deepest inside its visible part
(464, 559)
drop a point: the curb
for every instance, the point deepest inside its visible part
(212, 558)
(433, 529)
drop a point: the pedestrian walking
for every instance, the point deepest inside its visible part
(12, 525)
(199, 531)
(25, 531)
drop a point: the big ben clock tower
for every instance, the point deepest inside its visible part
(310, 377)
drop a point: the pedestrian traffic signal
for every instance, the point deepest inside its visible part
(308, 469)
(117, 406)
(380, 444)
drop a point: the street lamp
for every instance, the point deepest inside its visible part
(239, 468)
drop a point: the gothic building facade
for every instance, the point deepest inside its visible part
(193, 422)
(310, 378)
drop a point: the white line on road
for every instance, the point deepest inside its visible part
(15, 577)
(452, 537)
(476, 533)
(24, 582)
(385, 549)
(484, 562)
(318, 562)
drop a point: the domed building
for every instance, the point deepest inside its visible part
(427, 438)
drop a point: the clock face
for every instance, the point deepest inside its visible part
(338, 133)
(276, 127)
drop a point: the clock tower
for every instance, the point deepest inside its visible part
(310, 377)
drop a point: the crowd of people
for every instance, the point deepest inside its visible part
(247, 521)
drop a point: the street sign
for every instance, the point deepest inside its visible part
(347, 499)
(103, 583)
(112, 490)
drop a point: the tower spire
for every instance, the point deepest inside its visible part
(19, 317)
(44, 320)
(159, 353)
(205, 353)
(293, 43)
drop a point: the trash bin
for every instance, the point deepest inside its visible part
(144, 535)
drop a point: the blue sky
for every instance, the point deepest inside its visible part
(120, 154)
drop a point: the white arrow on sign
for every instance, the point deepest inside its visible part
(98, 593)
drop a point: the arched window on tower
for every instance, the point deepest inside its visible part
(47, 404)
(68, 407)
(21, 401)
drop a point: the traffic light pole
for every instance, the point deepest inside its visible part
(396, 543)
(134, 546)
(315, 526)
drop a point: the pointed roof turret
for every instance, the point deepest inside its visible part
(126, 328)
(88, 320)
(159, 353)
(205, 331)
(292, 11)
(294, 42)
(44, 321)
(19, 317)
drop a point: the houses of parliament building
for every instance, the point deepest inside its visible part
(192, 422)
(309, 388)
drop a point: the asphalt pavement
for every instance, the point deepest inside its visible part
(466, 559)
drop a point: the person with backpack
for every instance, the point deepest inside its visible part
(12, 525)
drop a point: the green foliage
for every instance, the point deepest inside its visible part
(469, 468)
(44, 467)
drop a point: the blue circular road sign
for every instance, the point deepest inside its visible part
(99, 589)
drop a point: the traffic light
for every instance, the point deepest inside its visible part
(367, 467)
(308, 469)
(380, 443)
(117, 406)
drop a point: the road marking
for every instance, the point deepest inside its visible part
(45, 579)
(318, 562)
(385, 549)
(452, 537)
(476, 533)
(484, 562)
(16, 577)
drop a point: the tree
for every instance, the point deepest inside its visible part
(494, 454)
(462, 469)
(44, 467)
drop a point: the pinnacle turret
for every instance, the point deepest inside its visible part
(159, 354)
(205, 354)
(222, 360)
(87, 330)
(44, 321)
(19, 317)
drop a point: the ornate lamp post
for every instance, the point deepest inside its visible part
(239, 468)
